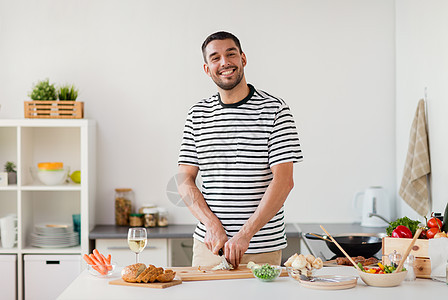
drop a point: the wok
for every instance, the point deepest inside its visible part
(354, 245)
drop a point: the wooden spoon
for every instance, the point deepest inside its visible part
(340, 248)
(408, 250)
(321, 237)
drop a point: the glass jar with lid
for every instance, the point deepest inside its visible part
(124, 198)
(136, 220)
(150, 215)
(162, 220)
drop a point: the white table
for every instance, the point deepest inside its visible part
(87, 287)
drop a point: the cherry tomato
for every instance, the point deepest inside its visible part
(432, 232)
(434, 223)
(423, 234)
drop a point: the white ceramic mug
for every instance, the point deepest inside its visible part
(8, 230)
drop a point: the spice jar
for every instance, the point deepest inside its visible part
(123, 206)
(395, 258)
(136, 220)
(409, 265)
(162, 220)
(150, 215)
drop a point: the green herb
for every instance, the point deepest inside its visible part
(405, 221)
(68, 92)
(43, 90)
(266, 272)
(361, 267)
(10, 167)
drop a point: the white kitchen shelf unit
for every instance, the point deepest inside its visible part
(28, 142)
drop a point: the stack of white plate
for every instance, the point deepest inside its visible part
(54, 236)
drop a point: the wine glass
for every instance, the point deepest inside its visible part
(137, 240)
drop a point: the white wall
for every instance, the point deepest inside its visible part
(422, 61)
(139, 68)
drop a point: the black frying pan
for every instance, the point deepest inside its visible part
(354, 245)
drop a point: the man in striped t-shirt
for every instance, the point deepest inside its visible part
(244, 143)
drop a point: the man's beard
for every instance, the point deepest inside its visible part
(228, 85)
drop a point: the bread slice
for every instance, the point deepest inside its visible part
(151, 270)
(157, 272)
(167, 276)
(130, 273)
(142, 275)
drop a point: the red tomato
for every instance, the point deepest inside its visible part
(434, 223)
(423, 234)
(432, 232)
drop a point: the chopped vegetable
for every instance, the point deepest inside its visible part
(266, 272)
(405, 221)
(382, 269)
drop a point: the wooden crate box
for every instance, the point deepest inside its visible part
(54, 109)
(422, 263)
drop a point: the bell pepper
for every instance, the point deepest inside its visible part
(402, 232)
(381, 266)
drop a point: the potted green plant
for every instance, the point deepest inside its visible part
(44, 105)
(43, 90)
(67, 93)
(10, 168)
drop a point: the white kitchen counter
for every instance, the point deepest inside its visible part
(87, 287)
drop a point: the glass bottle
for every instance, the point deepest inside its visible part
(123, 206)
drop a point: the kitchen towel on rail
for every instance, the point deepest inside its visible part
(414, 187)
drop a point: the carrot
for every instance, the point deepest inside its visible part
(98, 256)
(88, 260)
(106, 263)
(99, 270)
(109, 259)
(99, 265)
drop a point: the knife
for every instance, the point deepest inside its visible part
(223, 259)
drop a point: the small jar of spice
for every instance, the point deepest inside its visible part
(136, 220)
(162, 220)
(123, 206)
(150, 216)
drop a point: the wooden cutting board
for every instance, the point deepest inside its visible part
(154, 285)
(206, 273)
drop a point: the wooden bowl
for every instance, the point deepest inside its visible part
(383, 280)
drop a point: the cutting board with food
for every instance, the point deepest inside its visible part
(147, 276)
(206, 273)
(155, 285)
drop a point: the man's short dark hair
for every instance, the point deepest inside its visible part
(220, 35)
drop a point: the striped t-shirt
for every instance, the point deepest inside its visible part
(234, 146)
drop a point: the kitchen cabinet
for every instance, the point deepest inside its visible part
(8, 280)
(59, 271)
(28, 142)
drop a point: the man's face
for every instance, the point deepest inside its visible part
(224, 63)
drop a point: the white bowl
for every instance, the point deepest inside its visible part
(53, 177)
(382, 280)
